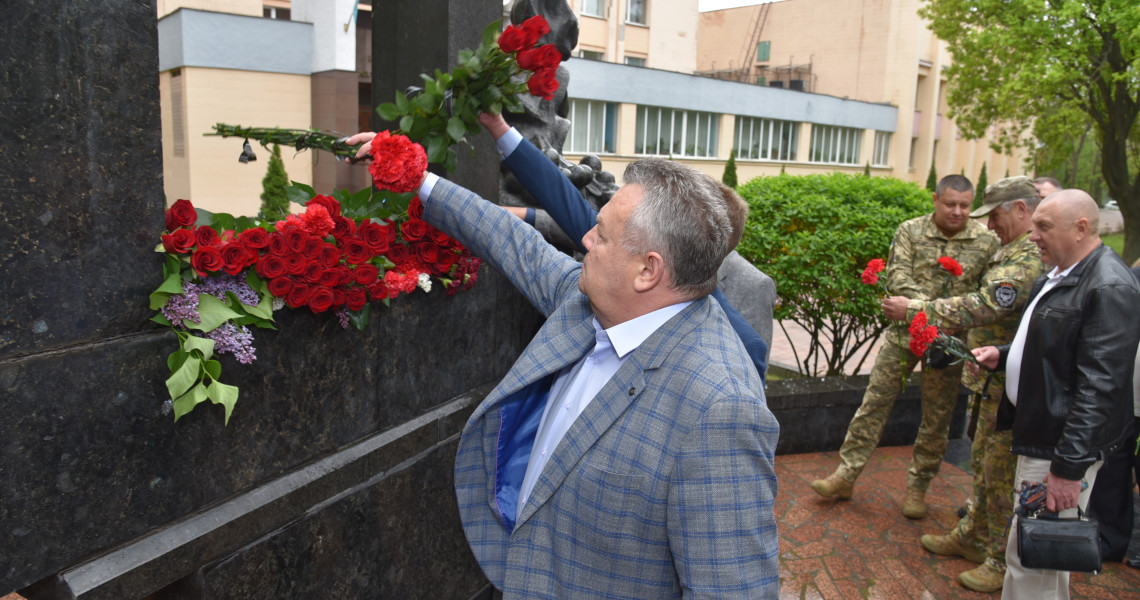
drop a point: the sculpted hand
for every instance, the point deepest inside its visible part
(894, 307)
(496, 125)
(987, 356)
(1061, 494)
(365, 151)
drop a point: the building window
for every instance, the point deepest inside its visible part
(592, 125)
(765, 139)
(635, 12)
(591, 55)
(636, 61)
(177, 113)
(593, 8)
(882, 156)
(763, 50)
(669, 132)
(840, 145)
(273, 12)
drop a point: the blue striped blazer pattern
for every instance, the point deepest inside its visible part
(662, 488)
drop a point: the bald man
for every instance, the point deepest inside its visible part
(1068, 394)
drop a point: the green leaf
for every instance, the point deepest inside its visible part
(212, 313)
(184, 378)
(359, 318)
(205, 346)
(456, 128)
(158, 300)
(451, 162)
(406, 123)
(161, 320)
(223, 394)
(172, 265)
(172, 284)
(223, 222)
(389, 111)
(420, 128)
(308, 189)
(177, 358)
(258, 284)
(205, 217)
(186, 403)
(213, 369)
(436, 148)
(264, 309)
(402, 104)
(491, 32)
(425, 102)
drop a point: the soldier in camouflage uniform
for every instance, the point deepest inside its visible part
(913, 271)
(991, 314)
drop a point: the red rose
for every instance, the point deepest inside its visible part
(206, 236)
(542, 57)
(365, 274)
(445, 260)
(346, 274)
(440, 238)
(343, 227)
(416, 208)
(312, 272)
(255, 237)
(534, 28)
(178, 242)
(390, 229)
(413, 230)
(298, 295)
(295, 264)
(331, 204)
(339, 297)
(398, 253)
(234, 256)
(512, 39)
(356, 299)
(375, 236)
(180, 214)
(271, 266)
(296, 239)
(320, 299)
(206, 258)
(329, 277)
(378, 290)
(313, 247)
(280, 286)
(543, 84)
(951, 265)
(398, 163)
(277, 244)
(356, 252)
(329, 256)
(426, 251)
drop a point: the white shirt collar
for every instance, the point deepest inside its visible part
(627, 336)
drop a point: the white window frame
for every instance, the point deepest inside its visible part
(882, 153)
(597, 5)
(594, 110)
(835, 145)
(644, 12)
(772, 139)
(675, 131)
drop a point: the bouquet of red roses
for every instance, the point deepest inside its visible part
(223, 275)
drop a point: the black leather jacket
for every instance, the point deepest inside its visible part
(1075, 388)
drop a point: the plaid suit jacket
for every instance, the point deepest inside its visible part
(662, 488)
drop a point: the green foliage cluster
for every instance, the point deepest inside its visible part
(814, 234)
(274, 200)
(932, 178)
(980, 188)
(729, 177)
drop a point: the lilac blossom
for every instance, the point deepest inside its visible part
(229, 338)
(184, 307)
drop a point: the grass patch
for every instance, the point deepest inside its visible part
(1114, 241)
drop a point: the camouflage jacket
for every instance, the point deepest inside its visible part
(913, 270)
(993, 311)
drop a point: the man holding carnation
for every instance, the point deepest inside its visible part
(991, 314)
(913, 270)
(629, 451)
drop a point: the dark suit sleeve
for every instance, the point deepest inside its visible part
(553, 191)
(753, 343)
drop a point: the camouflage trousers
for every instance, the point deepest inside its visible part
(985, 525)
(940, 388)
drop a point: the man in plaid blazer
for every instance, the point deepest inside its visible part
(654, 479)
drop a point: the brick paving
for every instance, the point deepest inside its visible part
(784, 350)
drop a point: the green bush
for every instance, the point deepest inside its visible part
(814, 234)
(932, 178)
(274, 200)
(980, 189)
(729, 177)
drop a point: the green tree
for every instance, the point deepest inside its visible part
(814, 234)
(867, 170)
(274, 200)
(729, 177)
(1050, 68)
(932, 178)
(980, 188)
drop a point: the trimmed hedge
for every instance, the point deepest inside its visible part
(813, 234)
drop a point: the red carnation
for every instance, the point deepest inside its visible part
(280, 286)
(542, 57)
(951, 265)
(320, 299)
(205, 259)
(331, 204)
(534, 28)
(512, 39)
(543, 84)
(398, 163)
(317, 221)
(356, 299)
(918, 323)
(180, 214)
(178, 242)
(869, 277)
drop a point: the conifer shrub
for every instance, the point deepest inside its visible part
(274, 199)
(729, 177)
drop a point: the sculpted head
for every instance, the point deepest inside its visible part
(659, 241)
(1066, 227)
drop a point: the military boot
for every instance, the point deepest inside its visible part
(952, 545)
(914, 507)
(986, 578)
(833, 486)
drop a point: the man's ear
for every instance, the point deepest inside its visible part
(1082, 225)
(652, 272)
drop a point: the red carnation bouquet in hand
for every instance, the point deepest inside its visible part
(924, 337)
(870, 274)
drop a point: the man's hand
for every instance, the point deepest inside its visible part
(517, 211)
(987, 356)
(1062, 494)
(894, 307)
(496, 125)
(365, 151)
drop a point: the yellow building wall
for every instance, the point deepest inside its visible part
(252, 8)
(218, 182)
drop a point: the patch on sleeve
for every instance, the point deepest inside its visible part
(1005, 295)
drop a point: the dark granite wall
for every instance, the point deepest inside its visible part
(101, 494)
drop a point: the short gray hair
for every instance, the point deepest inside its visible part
(1031, 203)
(682, 216)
